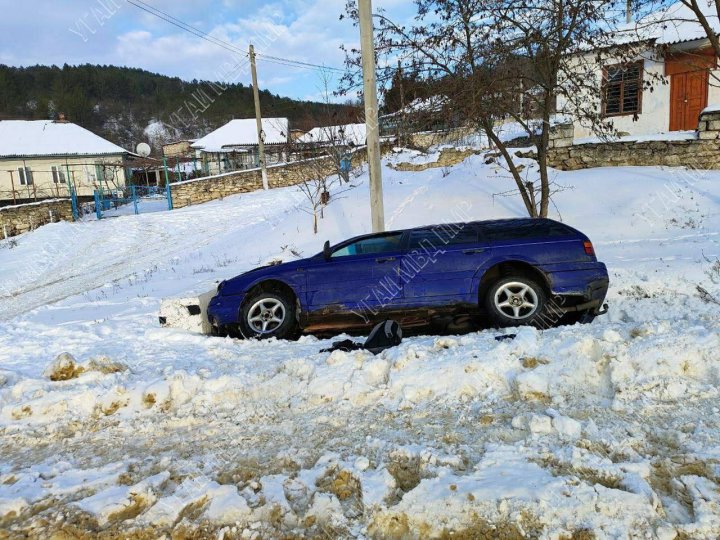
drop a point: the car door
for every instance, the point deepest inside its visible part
(440, 264)
(361, 274)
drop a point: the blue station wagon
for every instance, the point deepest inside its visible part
(513, 272)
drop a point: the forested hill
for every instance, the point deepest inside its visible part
(120, 103)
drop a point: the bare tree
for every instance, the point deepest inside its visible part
(681, 20)
(666, 14)
(328, 148)
(498, 60)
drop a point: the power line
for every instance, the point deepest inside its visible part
(184, 26)
(277, 59)
(221, 43)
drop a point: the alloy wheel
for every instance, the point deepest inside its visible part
(516, 300)
(266, 315)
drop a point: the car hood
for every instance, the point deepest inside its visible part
(239, 283)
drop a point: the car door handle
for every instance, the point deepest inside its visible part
(473, 251)
(385, 259)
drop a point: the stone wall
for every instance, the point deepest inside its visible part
(429, 138)
(217, 187)
(561, 135)
(696, 152)
(22, 218)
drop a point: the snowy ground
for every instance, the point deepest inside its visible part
(603, 431)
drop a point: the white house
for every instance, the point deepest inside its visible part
(235, 145)
(674, 58)
(345, 135)
(42, 159)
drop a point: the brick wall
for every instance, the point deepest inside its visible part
(220, 186)
(22, 218)
(697, 152)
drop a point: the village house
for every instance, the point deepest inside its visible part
(234, 146)
(179, 149)
(672, 77)
(45, 159)
(349, 135)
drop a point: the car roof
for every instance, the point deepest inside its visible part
(496, 224)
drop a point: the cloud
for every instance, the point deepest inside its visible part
(71, 32)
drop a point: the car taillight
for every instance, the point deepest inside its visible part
(589, 249)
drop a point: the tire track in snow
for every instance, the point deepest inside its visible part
(173, 235)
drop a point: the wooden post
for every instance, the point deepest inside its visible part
(401, 127)
(12, 185)
(258, 119)
(367, 47)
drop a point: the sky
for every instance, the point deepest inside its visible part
(115, 32)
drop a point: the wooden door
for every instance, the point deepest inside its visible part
(696, 94)
(688, 97)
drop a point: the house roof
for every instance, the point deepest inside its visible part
(243, 132)
(32, 138)
(672, 25)
(348, 133)
(431, 104)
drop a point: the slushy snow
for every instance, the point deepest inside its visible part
(610, 430)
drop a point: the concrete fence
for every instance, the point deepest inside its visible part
(698, 151)
(22, 218)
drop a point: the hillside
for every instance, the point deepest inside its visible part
(608, 430)
(119, 103)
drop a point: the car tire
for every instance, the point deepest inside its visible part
(516, 301)
(267, 315)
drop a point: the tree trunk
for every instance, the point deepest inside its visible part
(542, 150)
(529, 206)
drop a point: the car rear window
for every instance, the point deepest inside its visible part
(525, 229)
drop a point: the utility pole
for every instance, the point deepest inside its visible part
(628, 11)
(367, 47)
(401, 131)
(258, 119)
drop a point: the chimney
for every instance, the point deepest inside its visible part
(628, 11)
(61, 118)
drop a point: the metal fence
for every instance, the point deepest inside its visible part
(131, 199)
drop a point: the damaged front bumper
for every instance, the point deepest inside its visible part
(189, 314)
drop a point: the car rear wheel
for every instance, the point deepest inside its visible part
(516, 301)
(267, 315)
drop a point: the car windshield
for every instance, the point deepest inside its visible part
(371, 246)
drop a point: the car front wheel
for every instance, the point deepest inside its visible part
(268, 315)
(516, 301)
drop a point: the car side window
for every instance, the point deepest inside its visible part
(443, 235)
(371, 246)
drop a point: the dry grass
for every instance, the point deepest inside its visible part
(585, 474)
(530, 362)
(340, 483)
(406, 471)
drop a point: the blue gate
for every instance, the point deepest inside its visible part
(118, 201)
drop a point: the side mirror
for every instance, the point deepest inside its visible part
(326, 250)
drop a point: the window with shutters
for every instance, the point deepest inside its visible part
(622, 89)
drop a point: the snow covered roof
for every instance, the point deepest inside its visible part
(243, 132)
(419, 105)
(26, 138)
(348, 133)
(674, 24)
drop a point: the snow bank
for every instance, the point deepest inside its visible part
(609, 429)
